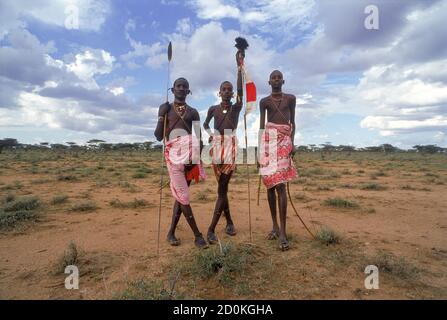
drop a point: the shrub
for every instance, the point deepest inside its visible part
(70, 256)
(84, 206)
(139, 175)
(372, 186)
(223, 262)
(146, 290)
(11, 220)
(327, 236)
(391, 264)
(340, 203)
(136, 203)
(66, 177)
(58, 199)
(23, 203)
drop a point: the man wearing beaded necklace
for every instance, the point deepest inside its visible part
(224, 146)
(276, 162)
(179, 153)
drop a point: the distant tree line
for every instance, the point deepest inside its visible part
(386, 148)
(94, 144)
(101, 145)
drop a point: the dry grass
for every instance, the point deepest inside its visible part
(59, 199)
(328, 236)
(340, 203)
(84, 206)
(134, 204)
(17, 212)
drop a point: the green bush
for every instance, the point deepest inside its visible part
(58, 199)
(146, 290)
(10, 220)
(372, 186)
(23, 203)
(391, 264)
(136, 203)
(223, 262)
(327, 236)
(84, 206)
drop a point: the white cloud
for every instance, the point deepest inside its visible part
(117, 90)
(150, 55)
(404, 99)
(264, 15)
(92, 13)
(39, 91)
(206, 62)
(169, 2)
(401, 88)
(391, 125)
(91, 62)
(130, 26)
(214, 10)
(184, 26)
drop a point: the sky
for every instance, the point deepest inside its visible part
(75, 70)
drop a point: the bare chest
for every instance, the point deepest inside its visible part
(278, 108)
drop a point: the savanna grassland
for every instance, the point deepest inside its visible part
(99, 211)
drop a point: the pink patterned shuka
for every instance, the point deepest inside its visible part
(276, 165)
(178, 153)
(223, 153)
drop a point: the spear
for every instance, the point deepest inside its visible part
(242, 45)
(163, 151)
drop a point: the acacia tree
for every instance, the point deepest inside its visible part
(94, 143)
(8, 143)
(147, 145)
(387, 148)
(429, 148)
(302, 148)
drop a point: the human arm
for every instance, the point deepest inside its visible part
(196, 128)
(240, 91)
(162, 112)
(262, 108)
(292, 122)
(206, 124)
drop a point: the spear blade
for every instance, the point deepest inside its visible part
(169, 51)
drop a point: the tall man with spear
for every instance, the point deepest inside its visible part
(175, 126)
(275, 152)
(224, 147)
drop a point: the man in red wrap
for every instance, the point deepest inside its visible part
(275, 152)
(182, 154)
(224, 147)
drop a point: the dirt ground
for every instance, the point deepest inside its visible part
(399, 209)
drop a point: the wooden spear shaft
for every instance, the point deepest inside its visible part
(163, 151)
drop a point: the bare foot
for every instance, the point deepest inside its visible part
(200, 242)
(273, 235)
(211, 237)
(230, 230)
(173, 241)
(283, 244)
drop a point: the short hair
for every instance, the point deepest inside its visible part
(276, 71)
(179, 79)
(225, 82)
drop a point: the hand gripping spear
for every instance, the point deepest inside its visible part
(242, 45)
(163, 151)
